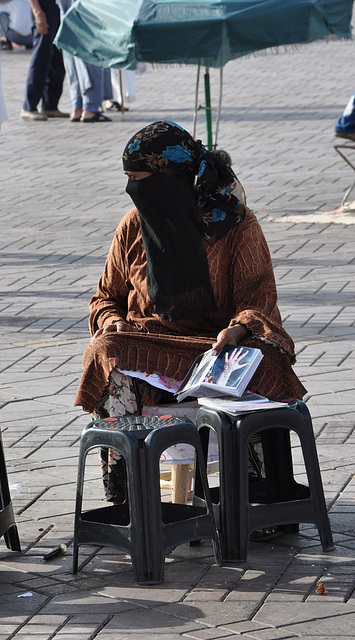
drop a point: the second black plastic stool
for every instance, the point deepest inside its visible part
(143, 525)
(241, 507)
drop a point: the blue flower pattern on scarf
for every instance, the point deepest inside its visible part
(176, 153)
(201, 169)
(218, 214)
(134, 146)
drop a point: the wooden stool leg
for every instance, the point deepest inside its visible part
(180, 481)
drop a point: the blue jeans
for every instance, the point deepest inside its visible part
(87, 82)
(13, 36)
(46, 73)
(346, 123)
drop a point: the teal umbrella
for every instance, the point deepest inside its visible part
(120, 33)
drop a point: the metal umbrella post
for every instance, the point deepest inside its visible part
(208, 109)
(211, 145)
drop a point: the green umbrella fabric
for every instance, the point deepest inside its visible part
(120, 33)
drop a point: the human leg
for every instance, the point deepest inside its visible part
(346, 123)
(4, 24)
(3, 112)
(36, 77)
(46, 72)
(4, 29)
(91, 81)
(71, 72)
(17, 38)
(74, 88)
(114, 103)
(53, 87)
(39, 66)
(121, 398)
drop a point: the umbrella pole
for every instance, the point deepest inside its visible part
(208, 109)
(219, 106)
(121, 89)
(196, 102)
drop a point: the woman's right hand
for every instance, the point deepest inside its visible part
(120, 326)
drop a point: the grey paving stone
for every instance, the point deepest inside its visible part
(212, 613)
(25, 603)
(80, 602)
(317, 618)
(154, 594)
(208, 634)
(108, 634)
(151, 621)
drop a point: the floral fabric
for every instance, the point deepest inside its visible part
(165, 147)
(120, 399)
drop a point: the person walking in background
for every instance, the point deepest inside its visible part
(3, 112)
(89, 85)
(16, 24)
(345, 126)
(46, 73)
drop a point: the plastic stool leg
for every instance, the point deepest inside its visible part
(12, 539)
(316, 490)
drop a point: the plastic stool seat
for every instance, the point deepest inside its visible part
(241, 506)
(143, 525)
(8, 527)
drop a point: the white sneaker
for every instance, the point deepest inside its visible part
(32, 115)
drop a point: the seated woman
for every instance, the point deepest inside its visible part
(189, 268)
(16, 24)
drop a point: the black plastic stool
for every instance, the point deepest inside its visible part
(8, 527)
(143, 525)
(241, 506)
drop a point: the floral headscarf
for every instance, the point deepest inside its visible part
(165, 147)
(188, 195)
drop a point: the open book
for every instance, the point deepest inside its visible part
(228, 373)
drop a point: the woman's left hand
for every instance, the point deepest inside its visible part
(119, 326)
(230, 335)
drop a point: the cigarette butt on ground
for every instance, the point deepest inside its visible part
(55, 552)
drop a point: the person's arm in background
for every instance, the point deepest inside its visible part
(40, 17)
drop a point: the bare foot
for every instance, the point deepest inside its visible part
(86, 115)
(76, 115)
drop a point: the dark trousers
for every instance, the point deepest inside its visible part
(46, 72)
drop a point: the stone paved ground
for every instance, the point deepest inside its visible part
(62, 194)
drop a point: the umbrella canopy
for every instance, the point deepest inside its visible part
(209, 33)
(120, 33)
